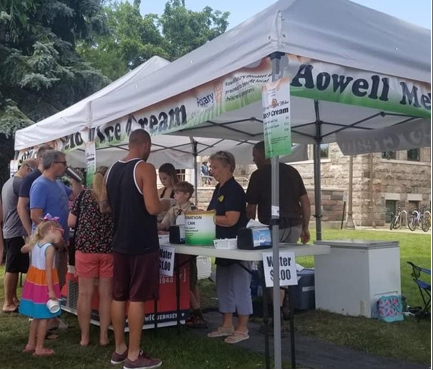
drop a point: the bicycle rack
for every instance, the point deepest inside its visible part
(405, 218)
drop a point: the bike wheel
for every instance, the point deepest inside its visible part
(391, 225)
(425, 224)
(412, 223)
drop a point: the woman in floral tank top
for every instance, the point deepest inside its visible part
(93, 257)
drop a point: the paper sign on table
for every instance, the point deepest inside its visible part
(166, 260)
(288, 275)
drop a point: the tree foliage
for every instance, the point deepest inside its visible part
(54, 53)
(40, 71)
(134, 38)
(186, 30)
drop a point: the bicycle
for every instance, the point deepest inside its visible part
(426, 221)
(415, 220)
(396, 220)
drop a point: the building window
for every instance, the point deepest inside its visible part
(412, 206)
(391, 210)
(389, 155)
(413, 155)
(324, 150)
(181, 175)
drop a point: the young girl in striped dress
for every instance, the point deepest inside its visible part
(42, 284)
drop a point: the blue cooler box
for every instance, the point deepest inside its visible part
(304, 292)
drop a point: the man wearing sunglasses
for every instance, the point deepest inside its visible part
(50, 195)
(24, 195)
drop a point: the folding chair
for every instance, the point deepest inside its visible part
(424, 288)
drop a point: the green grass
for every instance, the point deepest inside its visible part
(407, 340)
(186, 350)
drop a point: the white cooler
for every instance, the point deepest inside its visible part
(356, 274)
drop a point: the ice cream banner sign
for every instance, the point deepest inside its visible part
(309, 78)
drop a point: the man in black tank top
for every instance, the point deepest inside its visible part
(133, 198)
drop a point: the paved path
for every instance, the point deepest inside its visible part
(313, 353)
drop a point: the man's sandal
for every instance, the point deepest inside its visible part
(221, 332)
(196, 322)
(237, 336)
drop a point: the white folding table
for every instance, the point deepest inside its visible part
(251, 256)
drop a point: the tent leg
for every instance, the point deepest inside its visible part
(196, 172)
(275, 184)
(317, 182)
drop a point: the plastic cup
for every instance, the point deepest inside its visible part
(53, 306)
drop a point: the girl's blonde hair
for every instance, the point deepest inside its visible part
(98, 186)
(41, 231)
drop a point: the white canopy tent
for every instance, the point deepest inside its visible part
(62, 129)
(352, 69)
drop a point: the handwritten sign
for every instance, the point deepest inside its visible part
(166, 260)
(288, 274)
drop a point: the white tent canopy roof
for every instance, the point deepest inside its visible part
(178, 150)
(333, 31)
(79, 116)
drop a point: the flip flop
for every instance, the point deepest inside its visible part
(221, 332)
(44, 352)
(236, 337)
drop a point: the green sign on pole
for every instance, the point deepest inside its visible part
(276, 118)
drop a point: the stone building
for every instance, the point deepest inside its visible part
(382, 182)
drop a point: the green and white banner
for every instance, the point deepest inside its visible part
(276, 118)
(309, 79)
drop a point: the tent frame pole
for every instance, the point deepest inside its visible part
(317, 170)
(275, 221)
(195, 154)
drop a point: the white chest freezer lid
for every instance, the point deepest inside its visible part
(359, 243)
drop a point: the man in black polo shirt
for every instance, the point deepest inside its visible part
(294, 204)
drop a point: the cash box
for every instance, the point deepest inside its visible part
(254, 238)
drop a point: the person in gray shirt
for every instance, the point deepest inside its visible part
(13, 233)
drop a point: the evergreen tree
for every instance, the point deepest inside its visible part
(40, 71)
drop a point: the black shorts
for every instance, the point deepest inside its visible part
(136, 277)
(15, 260)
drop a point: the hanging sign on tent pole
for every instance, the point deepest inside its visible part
(90, 161)
(276, 118)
